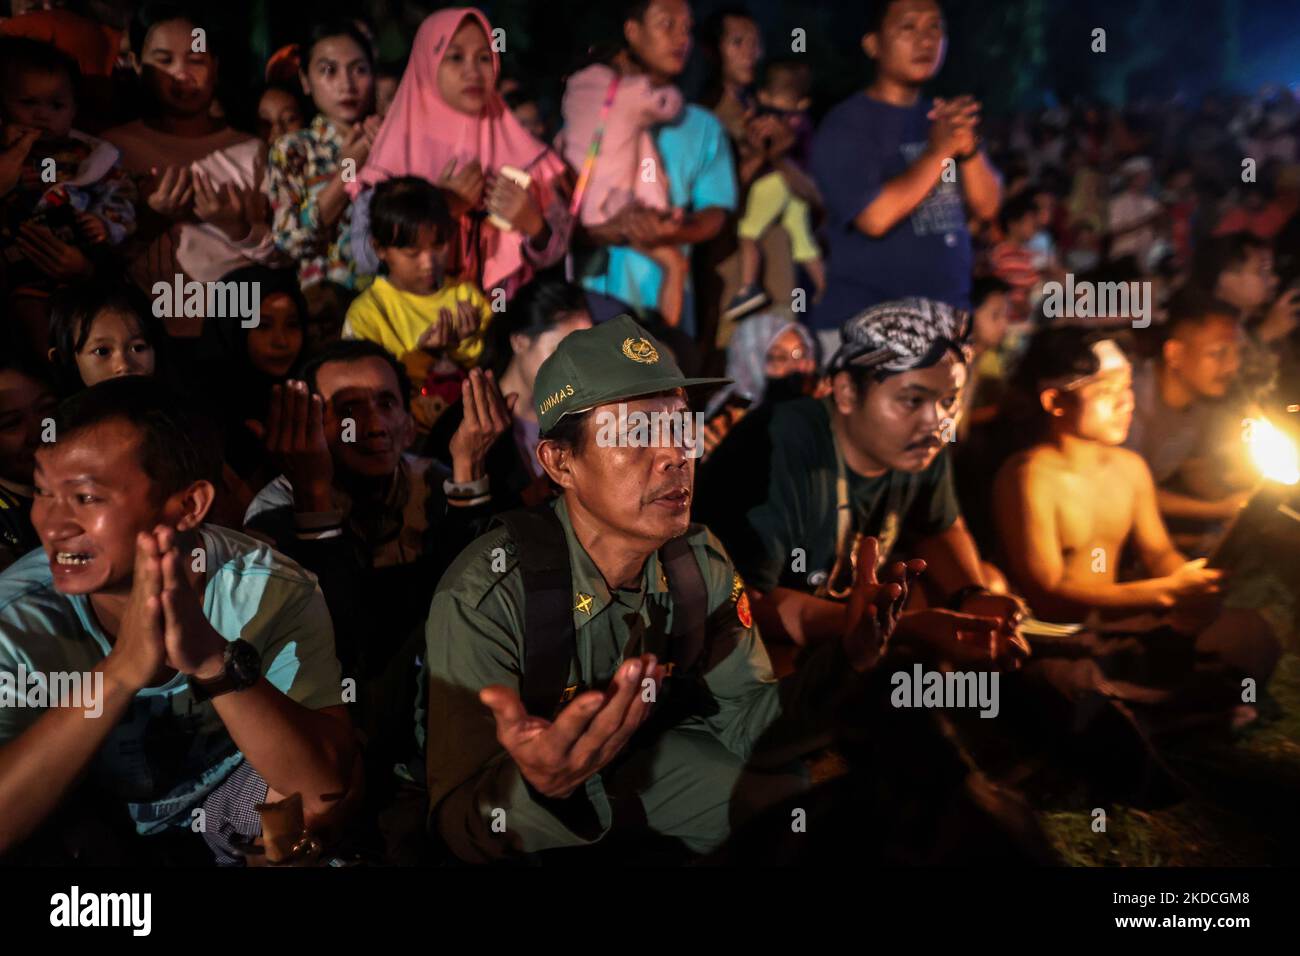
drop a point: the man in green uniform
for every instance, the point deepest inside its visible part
(506, 778)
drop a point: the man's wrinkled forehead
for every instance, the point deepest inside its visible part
(355, 379)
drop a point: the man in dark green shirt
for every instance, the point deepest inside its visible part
(794, 486)
(504, 779)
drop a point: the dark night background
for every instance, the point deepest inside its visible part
(1013, 54)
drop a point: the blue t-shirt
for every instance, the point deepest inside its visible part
(170, 751)
(861, 145)
(696, 158)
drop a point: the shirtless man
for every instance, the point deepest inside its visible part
(1066, 507)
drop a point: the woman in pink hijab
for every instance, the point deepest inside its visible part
(449, 125)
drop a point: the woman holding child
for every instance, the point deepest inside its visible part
(448, 125)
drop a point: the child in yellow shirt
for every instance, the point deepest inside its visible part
(434, 326)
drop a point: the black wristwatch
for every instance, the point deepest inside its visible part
(242, 666)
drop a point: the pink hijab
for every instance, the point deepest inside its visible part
(421, 134)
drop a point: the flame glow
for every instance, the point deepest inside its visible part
(1274, 454)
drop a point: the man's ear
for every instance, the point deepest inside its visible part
(53, 356)
(1052, 401)
(871, 45)
(306, 86)
(1172, 352)
(192, 505)
(631, 31)
(519, 343)
(557, 461)
(844, 393)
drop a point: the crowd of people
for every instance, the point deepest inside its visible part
(299, 455)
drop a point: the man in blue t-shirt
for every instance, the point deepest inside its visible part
(696, 158)
(178, 667)
(899, 176)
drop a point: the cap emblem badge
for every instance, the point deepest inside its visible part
(639, 350)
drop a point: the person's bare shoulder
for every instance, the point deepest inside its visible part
(1030, 466)
(1131, 464)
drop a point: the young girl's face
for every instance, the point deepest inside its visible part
(182, 79)
(116, 346)
(276, 341)
(277, 114)
(339, 80)
(41, 101)
(465, 73)
(418, 268)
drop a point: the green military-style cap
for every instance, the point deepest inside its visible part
(609, 362)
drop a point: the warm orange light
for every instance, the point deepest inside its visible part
(1274, 454)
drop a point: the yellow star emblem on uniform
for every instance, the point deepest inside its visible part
(584, 603)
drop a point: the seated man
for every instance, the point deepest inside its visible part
(550, 640)
(376, 524)
(794, 485)
(1186, 425)
(1067, 506)
(26, 400)
(197, 665)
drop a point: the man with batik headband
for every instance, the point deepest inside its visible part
(867, 460)
(1067, 507)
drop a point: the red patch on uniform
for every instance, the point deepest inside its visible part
(742, 610)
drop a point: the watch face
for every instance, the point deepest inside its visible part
(245, 664)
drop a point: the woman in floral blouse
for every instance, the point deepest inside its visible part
(309, 168)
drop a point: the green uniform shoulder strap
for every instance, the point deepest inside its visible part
(549, 637)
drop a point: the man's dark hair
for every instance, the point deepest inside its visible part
(23, 55)
(632, 10)
(402, 206)
(72, 314)
(1191, 307)
(1017, 207)
(863, 377)
(1218, 254)
(714, 26)
(570, 431)
(1063, 352)
(535, 309)
(877, 10)
(177, 447)
(354, 350)
(151, 14)
(331, 27)
(984, 287)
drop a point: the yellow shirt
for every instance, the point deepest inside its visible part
(396, 319)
